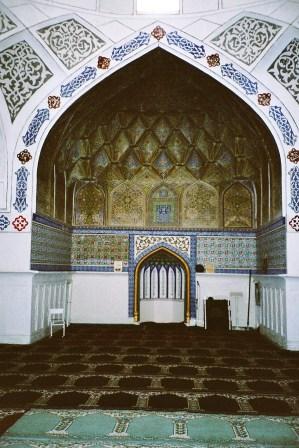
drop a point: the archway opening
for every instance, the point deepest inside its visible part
(162, 288)
(159, 125)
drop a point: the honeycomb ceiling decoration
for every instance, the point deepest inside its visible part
(161, 121)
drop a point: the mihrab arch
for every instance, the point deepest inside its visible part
(168, 291)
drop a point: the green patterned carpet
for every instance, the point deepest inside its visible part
(111, 428)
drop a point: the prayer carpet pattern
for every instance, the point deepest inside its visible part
(152, 367)
(57, 428)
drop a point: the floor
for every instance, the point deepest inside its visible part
(111, 428)
(151, 368)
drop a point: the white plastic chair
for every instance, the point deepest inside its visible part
(56, 318)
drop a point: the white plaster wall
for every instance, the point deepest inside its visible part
(161, 311)
(100, 298)
(15, 306)
(273, 316)
(234, 287)
(15, 252)
(25, 300)
(292, 312)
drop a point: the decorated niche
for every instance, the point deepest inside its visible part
(237, 206)
(200, 206)
(161, 122)
(127, 205)
(89, 207)
(163, 207)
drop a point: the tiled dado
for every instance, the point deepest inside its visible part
(59, 247)
(271, 245)
(227, 253)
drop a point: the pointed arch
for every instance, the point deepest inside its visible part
(185, 285)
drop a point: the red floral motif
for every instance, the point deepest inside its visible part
(294, 223)
(293, 155)
(264, 99)
(213, 60)
(103, 62)
(158, 33)
(54, 102)
(24, 156)
(20, 223)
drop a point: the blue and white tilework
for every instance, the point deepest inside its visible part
(190, 259)
(239, 78)
(68, 89)
(119, 53)
(4, 222)
(144, 242)
(40, 117)
(294, 181)
(20, 203)
(276, 113)
(198, 51)
(271, 243)
(227, 252)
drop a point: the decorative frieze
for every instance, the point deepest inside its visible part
(40, 117)
(132, 45)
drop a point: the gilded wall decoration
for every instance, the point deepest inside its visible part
(24, 156)
(6, 24)
(158, 32)
(200, 206)
(70, 41)
(127, 206)
(22, 74)
(103, 62)
(264, 99)
(143, 242)
(163, 207)
(237, 206)
(178, 130)
(99, 250)
(89, 206)
(293, 155)
(285, 68)
(247, 38)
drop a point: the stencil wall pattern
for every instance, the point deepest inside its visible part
(247, 38)
(70, 41)
(6, 24)
(285, 68)
(22, 74)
